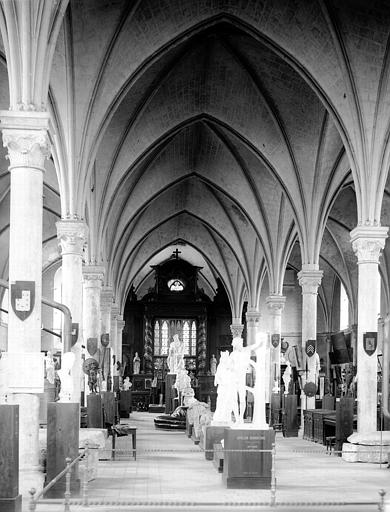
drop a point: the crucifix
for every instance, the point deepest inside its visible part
(176, 253)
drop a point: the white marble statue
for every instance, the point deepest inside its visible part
(127, 384)
(287, 377)
(65, 376)
(49, 367)
(136, 364)
(213, 365)
(226, 393)
(240, 360)
(183, 381)
(175, 359)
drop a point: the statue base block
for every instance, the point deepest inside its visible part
(170, 392)
(11, 504)
(213, 435)
(247, 470)
(95, 411)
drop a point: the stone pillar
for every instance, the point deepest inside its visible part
(120, 324)
(275, 305)
(309, 279)
(105, 308)
(114, 339)
(252, 325)
(25, 135)
(72, 235)
(367, 243)
(93, 277)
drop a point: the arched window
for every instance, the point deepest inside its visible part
(193, 339)
(157, 341)
(164, 338)
(186, 337)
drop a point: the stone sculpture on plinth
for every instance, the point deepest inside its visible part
(175, 359)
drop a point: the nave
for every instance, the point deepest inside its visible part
(170, 469)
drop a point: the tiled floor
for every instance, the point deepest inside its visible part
(170, 468)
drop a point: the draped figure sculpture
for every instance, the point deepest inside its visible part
(226, 399)
(240, 360)
(175, 359)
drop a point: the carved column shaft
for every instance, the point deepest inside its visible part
(148, 346)
(93, 277)
(72, 235)
(309, 279)
(367, 243)
(202, 345)
(26, 138)
(275, 304)
(120, 324)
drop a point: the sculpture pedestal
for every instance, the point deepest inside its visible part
(170, 392)
(95, 412)
(247, 470)
(213, 435)
(63, 420)
(290, 416)
(10, 499)
(125, 403)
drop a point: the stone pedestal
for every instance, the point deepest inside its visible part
(213, 435)
(125, 403)
(63, 421)
(290, 416)
(170, 392)
(10, 499)
(95, 413)
(247, 470)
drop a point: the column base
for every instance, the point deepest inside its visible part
(11, 504)
(28, 479)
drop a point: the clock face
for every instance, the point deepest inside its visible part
(176, 285)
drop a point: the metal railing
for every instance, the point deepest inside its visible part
(34, 500)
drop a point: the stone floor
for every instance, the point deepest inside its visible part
(171, 473)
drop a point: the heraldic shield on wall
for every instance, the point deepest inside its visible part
(275, 338)
(370, 342)
(23, 298)
(310, 347)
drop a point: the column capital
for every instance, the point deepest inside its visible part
(26, 135)
(93, 273)
(252, 316)
(72, 235)
(368, 242)
(106, 298)
(236, 329)
(276, 303)
(310, 279)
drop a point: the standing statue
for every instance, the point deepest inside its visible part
(136, 364)
(49, 367)
(183, 381)
(240, 360)
(65, 376)
(287, 378)
(92, 379)
(226, 396)
(175, 359)
(213, 365)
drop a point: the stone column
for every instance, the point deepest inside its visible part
(93, 277)
(120, 324)
(252, 324)
(275, 305)
(72, 235)
(105, 308)
(25, 135)
(114, 338)
(367, 243)
(309, 279)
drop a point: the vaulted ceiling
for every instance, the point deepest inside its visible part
(226, 129)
